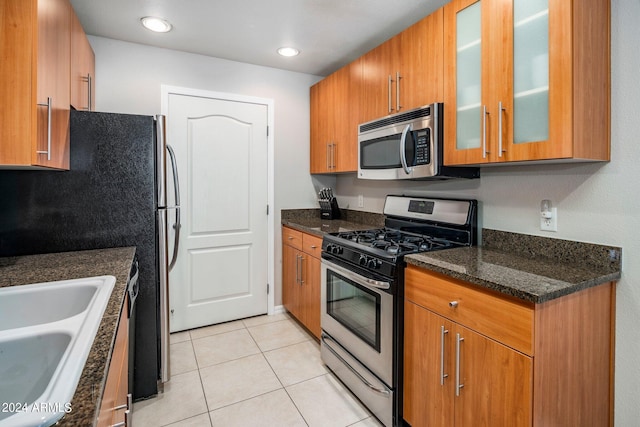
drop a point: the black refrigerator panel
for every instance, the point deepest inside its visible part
(106, 199)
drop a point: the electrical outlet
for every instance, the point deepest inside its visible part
(551, 223)
(360, 201)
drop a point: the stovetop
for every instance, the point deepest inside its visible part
(395, 242)
(412, 225)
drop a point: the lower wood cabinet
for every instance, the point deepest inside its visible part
(476, 358)
(301, 277)
(116, 402)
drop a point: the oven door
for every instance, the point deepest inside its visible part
(358, 314)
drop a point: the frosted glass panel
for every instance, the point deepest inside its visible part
(531, 70)
(531, 117)
(468, 76)
(468, 128)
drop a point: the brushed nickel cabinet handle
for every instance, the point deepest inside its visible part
(48, 152)
(500, 110)
(443, 332)
(459, 339)
(484, 132)
(398, 77)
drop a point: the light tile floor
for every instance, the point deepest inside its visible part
(262, 371)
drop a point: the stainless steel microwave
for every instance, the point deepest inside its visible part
(407, 145)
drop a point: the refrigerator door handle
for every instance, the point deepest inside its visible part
(176, 225)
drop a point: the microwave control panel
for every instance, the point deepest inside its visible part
(423, 146)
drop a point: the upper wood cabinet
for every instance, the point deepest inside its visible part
(34, 83)
(82, 68)
(404, 72)
(526, 80)
(334, 121)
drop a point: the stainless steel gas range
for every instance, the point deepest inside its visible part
(363, 289)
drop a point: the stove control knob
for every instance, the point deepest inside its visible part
(337, 250)
(329, 248)
(373, 263)
(363, 260)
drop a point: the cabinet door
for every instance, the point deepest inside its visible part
(495, 381)
(82, 68)
(34, 68)
(290, 279)
(320, 101)
(379, 68)
(560, 50)
(116, 387)
(428, 368)
(51, 147)
(310, 291)
(464, 116)
(422, 62)
(346, 98)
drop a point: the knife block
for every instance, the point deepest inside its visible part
(329, 208)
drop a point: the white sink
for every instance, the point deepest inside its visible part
(46, 332)
(47, 303)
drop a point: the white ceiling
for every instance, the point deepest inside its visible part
(329, 33)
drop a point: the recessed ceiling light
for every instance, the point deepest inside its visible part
(157, 25)
(288, 51)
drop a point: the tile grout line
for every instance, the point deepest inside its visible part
(309, 338)
(200, 377)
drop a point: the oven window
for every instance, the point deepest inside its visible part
(355, 307)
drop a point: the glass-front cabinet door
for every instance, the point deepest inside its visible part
(513, 97)
(463, 89)
(528, 133)
(530, 71)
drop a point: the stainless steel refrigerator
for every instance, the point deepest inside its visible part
(115, 194)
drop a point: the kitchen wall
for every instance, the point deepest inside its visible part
(597, 203)
(128, 79)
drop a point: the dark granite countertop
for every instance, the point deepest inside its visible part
(22, 270)
(309, 221)
(531, 268)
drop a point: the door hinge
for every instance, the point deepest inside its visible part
(267, 130)
(267, 289)
(267, 209)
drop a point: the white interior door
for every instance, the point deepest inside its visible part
(221, 150)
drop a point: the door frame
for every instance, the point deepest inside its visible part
(167, 90)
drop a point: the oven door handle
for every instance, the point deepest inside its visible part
(370, 283)
(326, 338)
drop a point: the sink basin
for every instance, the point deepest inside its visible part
(46, 303)
(46, 332)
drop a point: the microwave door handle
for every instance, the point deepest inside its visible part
(403, 145)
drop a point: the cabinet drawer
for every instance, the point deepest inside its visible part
(501, 318)
(312, 245)
(292, 237)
